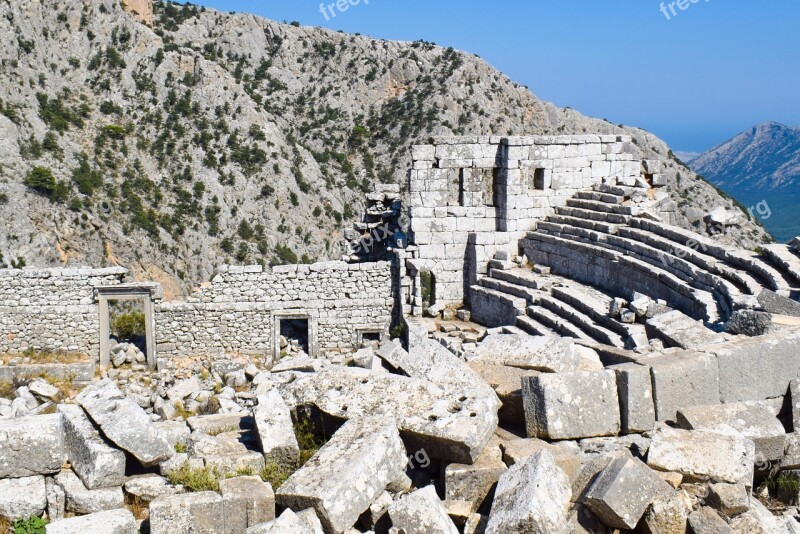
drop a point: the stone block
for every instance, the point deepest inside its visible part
(682, 380)
(758, 520)
(348, 473)
(571, 405)
(635, 389)
(22, 497)
(537, 353)
(703, 455)
(705, 520)
(56, 500)
(507, 384)
(31, 445)
(246, 501)
(81, 500)
(532, 496)
(108, 522)
(729, 499)
(753, 420)
(187, 513)
(217, 423)
(421, 512)
(275, 429)
(149, 487)
(124, 423)
(95, 463)
(774, 359)
(622, 492)
(667, 514)
(517, 450)
(473, 483)
(287, 523)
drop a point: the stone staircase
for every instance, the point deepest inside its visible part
(705, 280)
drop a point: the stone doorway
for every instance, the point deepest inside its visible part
(299, 326)
(147, 293)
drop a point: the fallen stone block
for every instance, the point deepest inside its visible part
(218, 423)
(148, 487)
(706, 521)
(729, 499)
(109, 522)
(81, 500)
(246, 501)
(667, 514)
(421, 512)
(757, 520)
(774, 359)
(538, 353)
(476, 524)
(287, 523)
(95, 463)
(184, 388)
(447, 422)
(124, 423)
(635, 389)
(703, 455)
(173, 431)
(31, 445)
(275, 429)
(226, 453)
(771, 302)
(473, 483)
(620, 495)
(518, 450)
(348, 473)
(753, 420)
(187, 513)
(309, 517)
(56, 500)
(571, 405)
(583, 521)
(532, 496)
(507, 384)
(22, 497)
(681, 380)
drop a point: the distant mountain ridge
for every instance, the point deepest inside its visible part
(760, 166)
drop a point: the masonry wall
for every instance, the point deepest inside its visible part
(470, 197)
(51, 310)
(238, 312)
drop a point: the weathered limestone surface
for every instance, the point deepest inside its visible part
(81, 500)
(31, 446)
(246, 501)
(447, 423)
(681, 380)
(532, 496)
(188, 513)
(348, 473)
(109, 522)
(473, 483)
(97, 464)
(753, 420)
(538, 353)
(421, 512)
(571, 405)
(635, 388)
(704, 455)
(23, 497)
(519, 449)
(287, 523)
(620, 495)
(275, 429)
(124, 423)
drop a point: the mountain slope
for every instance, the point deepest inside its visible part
(209, 137)
(764, 157)
(761, 168)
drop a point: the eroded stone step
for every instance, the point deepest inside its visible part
(556, 323)
(519, 291)
(534, 327)
(493, 308)
(783, 257)
(598, 196)
(613, 218)
(599, 226)
(581, 320)
(596, 205)
(524, 277)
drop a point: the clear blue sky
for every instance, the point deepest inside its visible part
(706, 74)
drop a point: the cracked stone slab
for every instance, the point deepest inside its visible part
(95, 463)
(537, 353)
(31, 445)
(81, 500)
(421, 512)
(448, 423)
(275, 429)
(124, 423)
(348, 473)
(187, 513)
(23, 497)
(108, 522)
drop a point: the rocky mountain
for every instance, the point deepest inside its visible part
(170, 142)
(760, 166)
(763, 158)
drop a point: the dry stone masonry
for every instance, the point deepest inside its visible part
(563, 359)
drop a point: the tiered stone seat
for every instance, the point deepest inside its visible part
(786, 258)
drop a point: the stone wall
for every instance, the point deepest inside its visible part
(50, 310)
(471, 197)
(238, 313)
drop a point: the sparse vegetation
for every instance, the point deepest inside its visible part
(31, 525)
(127, 326)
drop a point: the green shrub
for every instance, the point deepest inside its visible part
(129, 325)
(3, 198)
(32, 525)
(42, 181)
(195, 480)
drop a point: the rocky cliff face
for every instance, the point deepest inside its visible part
(208, 137)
